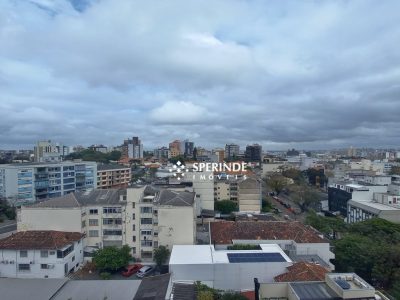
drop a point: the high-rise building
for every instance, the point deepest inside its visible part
(352, 152)
(161, 153)
(220, 153)
(175, 148)
(132, 148)
(189, 146)
(231, 150)
(47, 151)
(29, 182)
(253, 152)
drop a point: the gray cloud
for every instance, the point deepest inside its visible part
(282, 73)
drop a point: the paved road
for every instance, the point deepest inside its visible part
(8, 227)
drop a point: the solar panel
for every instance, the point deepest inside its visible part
(255, 257)
(343, 284)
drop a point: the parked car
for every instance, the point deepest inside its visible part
(145, 271)
(131, 269)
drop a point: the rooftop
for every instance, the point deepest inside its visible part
(303, 271)
(227, 231)
(175, 198)
(313, 291)
(29, 240)
(77, 199)
(373, 206)
(206, 254)
(184, 291)
(153, 288)
(104, 167)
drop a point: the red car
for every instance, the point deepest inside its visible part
(131, 269)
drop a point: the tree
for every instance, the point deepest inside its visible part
(276, 182)
(294, 174)
(225, 206)
(395, 170)
(112, 258)
(326, 225)
(161, 255)
(304, 196)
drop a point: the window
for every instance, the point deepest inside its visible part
(146, 221)
(156, 244)
(44, 266)
(52, 252)
(155, 233)
(44, 253)
(112, 232)
(133, 204)
(133, 216)
(23, 253)
(93, 233)
(73, 258)
(93, 222)
(134, 238)
(134, 227)
(112, 210)
(133, 250)
(93, 212)
(64, 253)
(24, 267)
(146, 232)
(146, 243)
(146, 210)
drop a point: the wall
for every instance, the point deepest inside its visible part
(68, 219)
(176, 225)
(273, 290)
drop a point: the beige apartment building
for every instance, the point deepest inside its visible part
(113, 176)
(142, 218)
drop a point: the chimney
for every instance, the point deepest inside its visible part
(256, 289)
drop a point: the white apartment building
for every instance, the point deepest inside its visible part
(140, 217)
(30, 182)
(41, 254)
(47, 151)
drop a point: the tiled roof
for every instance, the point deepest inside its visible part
(303, 271)
(175, 198)
(153, 288)
(66, 201)
(226, 231)
(184, 291)
(37, 240)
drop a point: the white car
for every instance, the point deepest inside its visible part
(145, 271)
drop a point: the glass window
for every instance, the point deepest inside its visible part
(44, 266)
(93, 233)
(93, 211)
(146, 221)
(44, 253)
(93, 222)
(23, 253)
(24, 267)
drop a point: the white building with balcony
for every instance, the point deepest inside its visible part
(41, 254)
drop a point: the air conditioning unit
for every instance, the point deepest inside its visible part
(31, 262)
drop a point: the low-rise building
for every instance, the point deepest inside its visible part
(227, 269)
(41, 254)
(300, 242)
(113, 176)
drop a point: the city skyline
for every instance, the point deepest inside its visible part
(304, 75)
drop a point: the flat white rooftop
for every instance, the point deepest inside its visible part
(206, 254)
(373, 205)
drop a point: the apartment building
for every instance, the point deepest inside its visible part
(31, 182)
(246, 193)
(47, 151)
(41, 254)
(175, 148)
(141, 217)
(132, 148)
(113, 176)
(231, 151)
(253, 153)
(161, 153)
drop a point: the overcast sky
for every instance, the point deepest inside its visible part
(304, 74)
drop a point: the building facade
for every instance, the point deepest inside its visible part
(253, 153)
(41, 254)
(231, 151)
(30, 182)
(113, 176)
(47, 151)
(132, 148)
(175, 148)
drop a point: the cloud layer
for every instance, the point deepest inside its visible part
(305, 74)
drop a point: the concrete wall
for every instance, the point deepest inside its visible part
(273, 290)
(176, 225)
(68, 219)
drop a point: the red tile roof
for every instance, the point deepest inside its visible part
(36, 240)
(303, 271)
(251, 295)
(226, 231)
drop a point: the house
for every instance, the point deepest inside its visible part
(301, 242)
(303, 271)
(111, 176)
(41, 254)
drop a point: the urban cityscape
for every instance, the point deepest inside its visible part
(239, 150)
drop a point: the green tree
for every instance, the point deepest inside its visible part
(225, 206)
(161, 255)
(276, 182)
(112, 258)
(294, 174)
(326, 225)
(304, 196)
